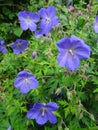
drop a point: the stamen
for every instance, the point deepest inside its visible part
(71, 51)
(43, 111)
(47, 19)
(28, 19)
(26, 80)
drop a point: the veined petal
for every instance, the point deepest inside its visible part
(72, 62)
(22, 15)
(18, 82)
(43, 13)
(51, 117)
(83, 52)
(51, 11)
(64, 44)
(33, 113)
(22, 73)
(16, 51)
(38, 105)
(52, 106)
(41, 119)
(24, 88)
(3, 49)
(38, 33)
(33, 83)
(32, 26)
(46, 27)
(69, 61)
(35, 17)
(23, 25)
(80, 48)
(62, 59)
(26, 74)
(55, 21)
(77, 42)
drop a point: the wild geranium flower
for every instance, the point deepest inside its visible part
(9, 128)
(25, 81)
(28, 20)
(2, 46)
(43, 112)
(95, 25)
(49, 19)
(19, 46)
(38, 33)
(71, 51)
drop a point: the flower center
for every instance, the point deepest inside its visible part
(26, 80)
(71, 51)
(47, 19)
(29, 19)
(19, 44)
(43, 111)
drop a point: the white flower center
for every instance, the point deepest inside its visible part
(28, 19)
(71, 51)
(47, 19)
(43, 109)
(26, 80)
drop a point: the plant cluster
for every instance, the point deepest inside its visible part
(49, 73)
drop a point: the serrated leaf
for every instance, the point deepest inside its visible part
(18, 32)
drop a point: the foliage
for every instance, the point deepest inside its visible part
(75, 92)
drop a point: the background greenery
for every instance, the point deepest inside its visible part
(75, 92)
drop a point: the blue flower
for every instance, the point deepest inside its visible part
(38, 33)
(48, 19)
(2, 46)
(71, 51)
(25, 81)
(28, 20)
(19, 46)
(95, 25)
(43, 112)
(9, 128)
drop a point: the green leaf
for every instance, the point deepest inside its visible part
(18, 32)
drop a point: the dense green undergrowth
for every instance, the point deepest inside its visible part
(75, 92)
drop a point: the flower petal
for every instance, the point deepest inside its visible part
(52, 106)
(51, 117)
(55, 21)
(38, 105)
(41, 119)
(25, 74)
(43, 13)
(83, 52)
(18, 82)
(23, 25)
(35, 17)
(95, 27)
(63, 44)
(69, 61)
(80, 48)
(32, 26)
(45, 27)
(33, 83)
(33, 113)
(24, 88)
(51, 11)
(3, 49)
(38, 33)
